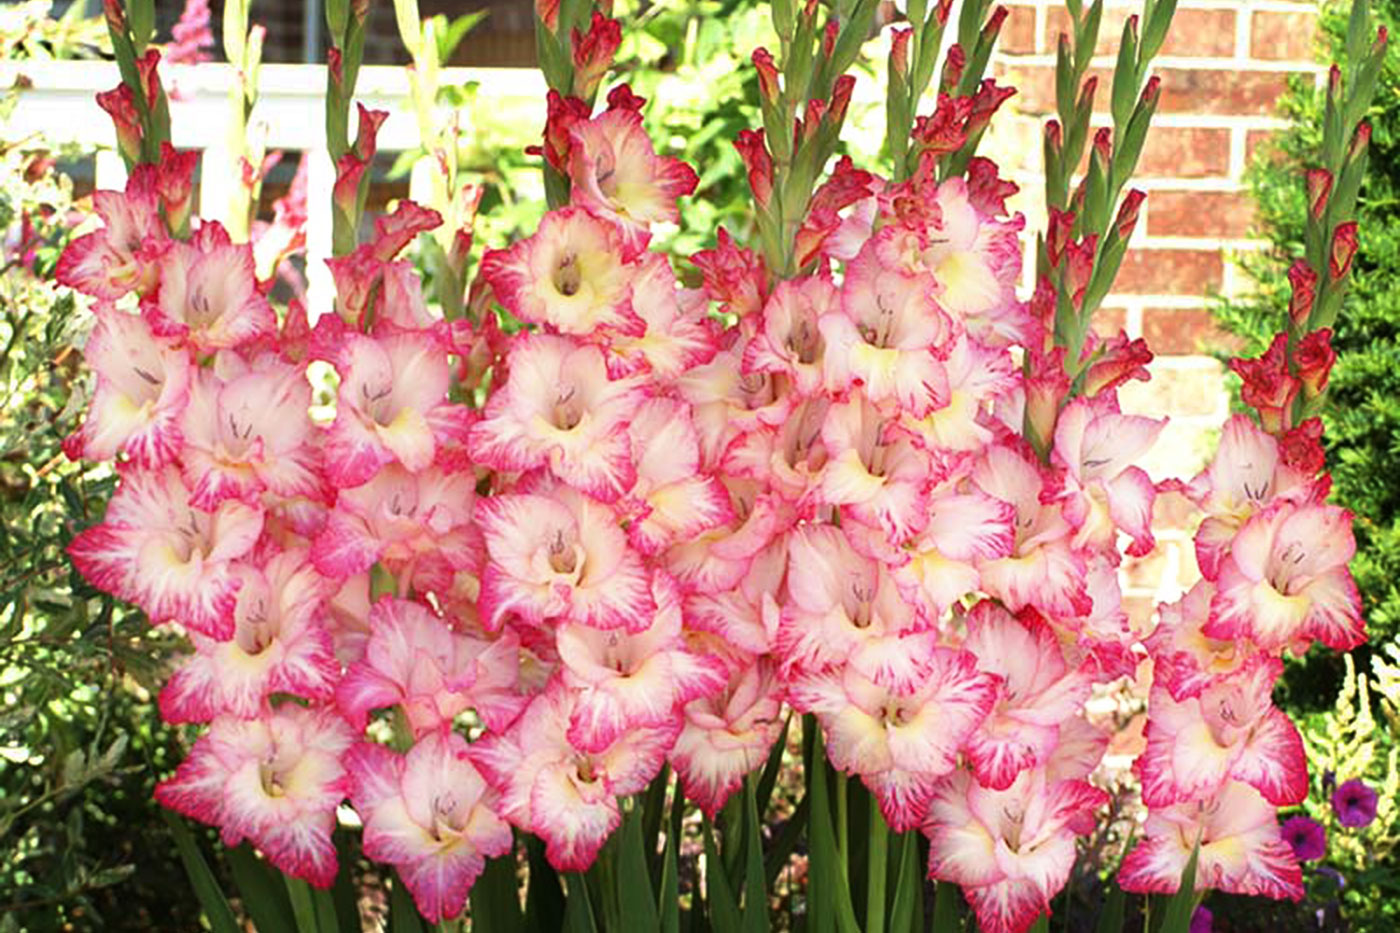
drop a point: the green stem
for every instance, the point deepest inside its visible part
(878, 840)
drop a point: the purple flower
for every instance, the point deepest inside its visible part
(1307, 837)
(1355, 804)
(1201, 920)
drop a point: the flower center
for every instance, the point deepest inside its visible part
(567, 276)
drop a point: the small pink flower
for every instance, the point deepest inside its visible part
(274, 781)
(1355, 804)
(875, 474)
(673, 499)
(678, 334)
(789, 340)
(431, 815)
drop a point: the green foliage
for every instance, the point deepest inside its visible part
(81, 844)
(1363, 415)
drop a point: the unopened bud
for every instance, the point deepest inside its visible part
(1319, 185)
(1344, 243)
(767, 74)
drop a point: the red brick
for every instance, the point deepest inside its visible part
(1018, 32)
(1170, 272)
(1202, 33)
(1107, 322)
(1185, 152)
(1185, 331)
(1256, 141)
(1218, 214)
(1223, 91)
(1282, 36)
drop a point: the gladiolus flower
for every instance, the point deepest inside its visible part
(431, 815)
(1010, 850)
(209, 293)
(1240, 849)
(113, 261)
(174, 561)
(570, 274)
(274, 781)
(558, 409)
(415, 661)
(1286, 582)
(556, 553)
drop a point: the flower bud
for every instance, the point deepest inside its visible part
(767, 75)
(841, 98)
(1319, 185)
(953, 65)
(1344, 245)
(1057, 235)
(1151, 92)
(1128, 214)
(1303, 281)
(1268, 386)
(1301, 447)
(993, 27)
(175, 183)
(830, 34)
(120, 105)
(899, 52)
(593, 54)
(754, 151)
(1360, 142)
(1118, 360)
(1314, 357)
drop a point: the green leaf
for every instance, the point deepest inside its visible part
(769, 778)
(909, 888)
(1111, 916)
(670, 887)
(829, 892)
(495, 897)
(403, 914)
(544, 897)
(1177, 918)
(755, 880)
(206, 886)
(719, 896)
(947, 916)
(782, 847)
(578, 912)
(260, 886)
(636, 901)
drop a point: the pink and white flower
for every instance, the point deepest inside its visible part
(143, 386)
(1010, 850)
(274, 781)
(568, 797)
(789, 340)
(209, 294)
(1286, 582)
(414, 660)
(557, 554)
(1230, 730)
(558, 409)
(618, 176)
(114, 261)
(899, 738)
(673, 499)
(431, 815)
(279, 645)
(571, 274)
(1240, 848)
(175, 561)
(624, 680)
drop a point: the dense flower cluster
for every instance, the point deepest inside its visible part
(677, 512)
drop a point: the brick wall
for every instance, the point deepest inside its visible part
(1223, 66)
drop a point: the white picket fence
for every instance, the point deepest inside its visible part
(57, 103)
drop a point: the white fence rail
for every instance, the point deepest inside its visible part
(57, 103)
